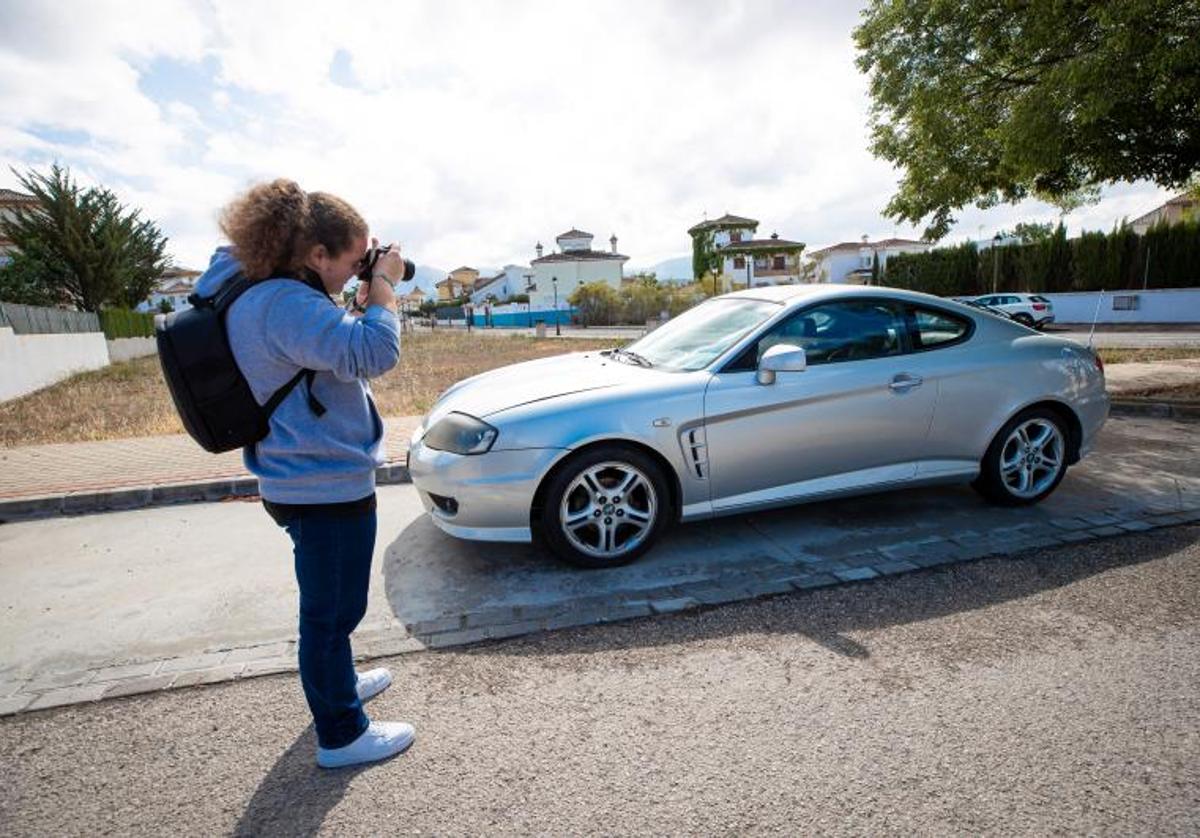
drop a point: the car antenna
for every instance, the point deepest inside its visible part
(1095, 317)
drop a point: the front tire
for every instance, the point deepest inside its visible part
(1026, 460)
(605, 507)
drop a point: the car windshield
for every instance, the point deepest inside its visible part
(694, 339)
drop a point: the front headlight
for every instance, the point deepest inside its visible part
(460, 434)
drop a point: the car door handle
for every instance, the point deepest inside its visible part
(904, 382)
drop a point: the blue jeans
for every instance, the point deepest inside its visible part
(333, 567)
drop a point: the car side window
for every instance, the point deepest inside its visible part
(932, 328)
(852, 330)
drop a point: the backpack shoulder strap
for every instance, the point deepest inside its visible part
(220, 303)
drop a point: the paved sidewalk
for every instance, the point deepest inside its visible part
(63, 468)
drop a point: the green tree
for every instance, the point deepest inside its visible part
(166, 306)
(597, 303)
(983, 101)
(22, 281)
(83, 245)
(705, 259)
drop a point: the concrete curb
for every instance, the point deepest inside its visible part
(770, 577)
(1179, 411)
(202, 491)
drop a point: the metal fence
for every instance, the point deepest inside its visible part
(35, 320)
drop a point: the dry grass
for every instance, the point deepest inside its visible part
(130, 399)
(1144, 356)
(1188, 392)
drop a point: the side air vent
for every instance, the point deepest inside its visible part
(695, 447)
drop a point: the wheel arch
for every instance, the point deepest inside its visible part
(1070, 419)
(673, 483)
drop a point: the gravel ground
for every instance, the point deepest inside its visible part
(1052, 692)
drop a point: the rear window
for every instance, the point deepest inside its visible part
(932, 328)
(1038, 299)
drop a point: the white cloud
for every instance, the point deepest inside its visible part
(470, 130)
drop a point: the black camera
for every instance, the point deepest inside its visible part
(372, 256)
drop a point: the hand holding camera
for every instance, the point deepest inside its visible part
(382, 263)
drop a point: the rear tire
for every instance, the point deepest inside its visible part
(1026, 460)
(1024, 319)
(605, 507)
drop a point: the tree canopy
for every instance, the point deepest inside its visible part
(81, 246)
(989, 101)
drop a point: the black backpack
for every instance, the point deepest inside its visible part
(212, 396)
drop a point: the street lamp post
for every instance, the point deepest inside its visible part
(557, 330)
(995, 260)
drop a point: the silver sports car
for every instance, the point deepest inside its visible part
(760, 398)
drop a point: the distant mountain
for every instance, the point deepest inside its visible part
(678, 269)
(427, 277)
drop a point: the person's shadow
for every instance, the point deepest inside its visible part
(296, 796)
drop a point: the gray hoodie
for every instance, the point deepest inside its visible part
(277, 328)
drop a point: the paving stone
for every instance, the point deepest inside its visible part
(719, 596)
(124, 671)
(1103, 532)
(769, 587)
(1074, 537)
(515, 629)
(56, 680)
(891, 568)
(68, 695)
(1101, 520)
(856, 574)
(937, 559)
(32, 507)
(191, 492)
(386, 647)
(442, 624)
(814, 580)
(11, 688)
(668, 606)
(827, 566)
(542, 612)
(272, 666)
(627, 611)
(206, 660)
(265, 650)
(1070, 523)
(462, 637)
(1135, 526)
(903, 550)
(15, 704)
(138, 686)
(491, 617)
(215, 675)
(582, 617)
(866, 558)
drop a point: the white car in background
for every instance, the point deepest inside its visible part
(1029, 310)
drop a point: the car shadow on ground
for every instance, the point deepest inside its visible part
(829, 616)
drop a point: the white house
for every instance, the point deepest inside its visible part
(749, 262)
(574, 264)
(850, 262)
(508, 283)
(175, 286)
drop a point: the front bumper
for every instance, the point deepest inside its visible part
(492, 493)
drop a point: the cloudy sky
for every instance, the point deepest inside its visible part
(470, 130)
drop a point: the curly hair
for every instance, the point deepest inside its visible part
(272, 227)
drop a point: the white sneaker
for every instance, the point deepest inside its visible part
(372, 682)
(379, 741)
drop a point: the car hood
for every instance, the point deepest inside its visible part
(533, 381)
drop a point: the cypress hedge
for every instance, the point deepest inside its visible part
(123, 323)
(1165, 257)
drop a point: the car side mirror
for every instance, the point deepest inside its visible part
(782, 357)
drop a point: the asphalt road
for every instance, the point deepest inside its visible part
(1051, 692)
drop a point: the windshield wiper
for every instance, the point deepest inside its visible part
(640, 360)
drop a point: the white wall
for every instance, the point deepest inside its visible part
(1176, 305)
(31, 362)
(126, 349)
(570, 276)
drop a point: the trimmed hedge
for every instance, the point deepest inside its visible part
(1093, 262)
(123, 323)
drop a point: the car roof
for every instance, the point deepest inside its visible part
(793, 295)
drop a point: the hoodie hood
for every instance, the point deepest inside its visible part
(221, 268)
